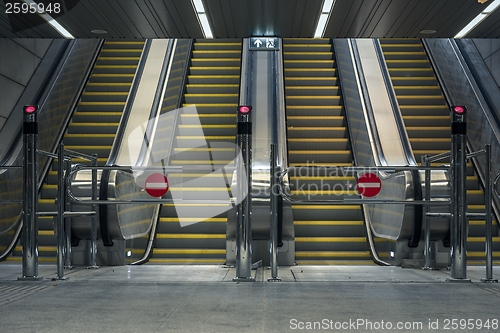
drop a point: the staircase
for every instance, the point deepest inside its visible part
(317, 137)
(212, 85)
(427, 119)
(92, 128)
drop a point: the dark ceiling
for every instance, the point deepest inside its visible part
(244, 18)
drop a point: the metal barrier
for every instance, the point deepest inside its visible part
(458, 242)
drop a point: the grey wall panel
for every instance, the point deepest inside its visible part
(36, 46)
(490, 52)
(17, 63)
(10, 92)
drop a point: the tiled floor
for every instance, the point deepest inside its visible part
(204, 299)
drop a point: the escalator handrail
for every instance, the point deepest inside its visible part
(405, 142)
(115, 147)
(156, 215)
(44, 96)
(452, 97)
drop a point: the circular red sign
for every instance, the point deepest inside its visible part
(156, 185)
(369, 185)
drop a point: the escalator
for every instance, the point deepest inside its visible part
(92, 128)
(212, 85)
(318, 137)
(427, 119)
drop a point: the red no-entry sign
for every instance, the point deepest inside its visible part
(156, 185)
(369, 185)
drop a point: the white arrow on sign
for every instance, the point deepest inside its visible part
(258, 43)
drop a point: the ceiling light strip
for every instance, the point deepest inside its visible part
(202, 18)
(323, 18)
(478, 19)
(53, 23)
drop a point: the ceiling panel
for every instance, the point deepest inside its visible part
(244, 18)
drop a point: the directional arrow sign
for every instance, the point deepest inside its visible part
(264, 44)
(369, 185)
(156, 185)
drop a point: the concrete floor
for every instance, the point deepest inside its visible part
(153, 298)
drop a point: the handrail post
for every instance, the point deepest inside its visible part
(244, 208)
(274, 197)
(488, 202)
(67, 263)
(30, 194)
(59, 219)
(427, 249)
(458, 234)
(93, 236)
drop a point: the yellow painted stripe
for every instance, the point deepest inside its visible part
(304, 78)
(330, 239)
(482, 239)
(318, 128)
(193, 219)
(481, 254)
(338, 140)
(213, 77)
(288, 53)
(118, 58)
(404, 53)
(214, 105)
(334, 254)
(419, 96)
(90, 135)
(319, 152)
(189, 251)
(109, 84)
(211, 95)
(421, 128)
(218, 68)
(208, 137)
(426, 117)
(422, 107)
(121, 50)
(203, 61)
(187, 261)
(327, 207)
(93, 124)
(311, 87)
(102, 103)
(113, 75)
(98, 113)
(325, 107)
(328, 223)
(191, 236)
(315, 117)
(212, 85)
(105, 93)
(116, 67)
(217, 44)
(480, 223)
(308, 69)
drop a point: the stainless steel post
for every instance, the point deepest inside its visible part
(274, 197)
(93, 236)
(67, 258)
(427, 249)
(459, 223)
(30, 194)
(488, 190)
(61, 205)
(244, 209)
